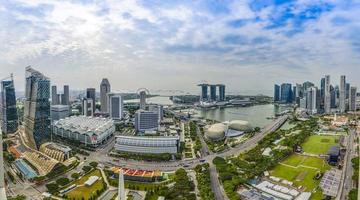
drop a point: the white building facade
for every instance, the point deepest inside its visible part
(91, 131)
(153, 145)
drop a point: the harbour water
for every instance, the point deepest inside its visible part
(259, 115)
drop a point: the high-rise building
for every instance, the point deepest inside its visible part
(142, 94)
(115, 106)
(36, 108)
(276, 93)
(307, 85)
(312, 100)
(352, 99)
(322, 93)
(332, 97)
(2, 171)
(213, 92)
(91, 94)
(327, 102)
(9, 118)
(88, 107)
(298, 93)
(221, 92)
(286, 93)
(159, 109)
(104, 89)
(65, 100)
(347, 90)
(54, 96)
(146, 120)
(342, 97)
(204, 92)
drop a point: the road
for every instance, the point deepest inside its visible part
(348, 169)
(216, 186)
(101, 154)
(204, 147)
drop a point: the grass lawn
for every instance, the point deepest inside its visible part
(84, 191)
(301, 170)
(319, 144)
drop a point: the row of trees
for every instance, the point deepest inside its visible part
(246, 166)
(204, 183)
(183, 188)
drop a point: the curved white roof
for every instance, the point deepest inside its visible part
(240, 125)
(216, 131)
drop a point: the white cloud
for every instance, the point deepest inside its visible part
(116, 37)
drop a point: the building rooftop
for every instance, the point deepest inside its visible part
(334, 150)
(84, 124)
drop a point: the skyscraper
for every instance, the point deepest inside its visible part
(221, 92)
(332, 97)
(104, 89)
(213, 92)
(347, 90)
(307, 85)
(298, 93)
(204, 92)
(352, 99)
(342, 97)
(91, 94)
(88, 107)
(322, 93)
(327, 102)
(312, 100)
(286, 93)
(65, 98)
(276, 93)
(115, 106)
(54, 96)
(8, 107)
(36, 108)
(142, 94)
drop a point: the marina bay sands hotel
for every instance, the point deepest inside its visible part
(205, 97)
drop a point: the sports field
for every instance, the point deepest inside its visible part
(84, 192)
(301, 170)
(319, 144)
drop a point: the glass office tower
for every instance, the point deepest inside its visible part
(9, 122)
(37, 108)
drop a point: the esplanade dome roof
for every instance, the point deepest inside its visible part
(240, 125)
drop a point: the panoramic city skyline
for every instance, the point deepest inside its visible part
(137, 43)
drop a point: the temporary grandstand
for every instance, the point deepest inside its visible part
(139, 175)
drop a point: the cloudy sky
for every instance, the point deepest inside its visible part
(246, 44)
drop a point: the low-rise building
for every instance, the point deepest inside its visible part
(144, 144)
(57, 151)
(91, 131)
(334, 154)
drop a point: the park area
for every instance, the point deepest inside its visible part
(320, 144)
(86, 192)
(301, 170)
